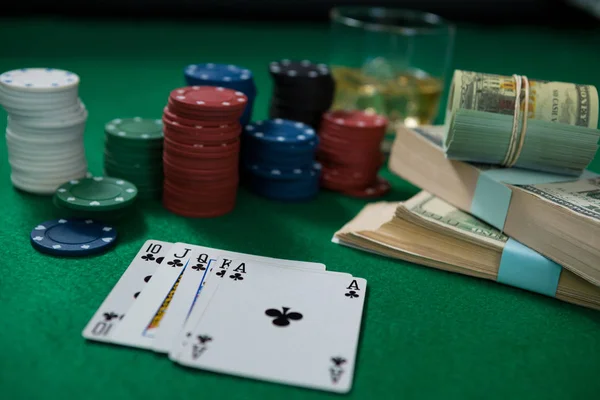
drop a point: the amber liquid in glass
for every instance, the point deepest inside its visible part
(410, 97)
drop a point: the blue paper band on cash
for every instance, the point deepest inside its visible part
(526, 269)
(491, 199)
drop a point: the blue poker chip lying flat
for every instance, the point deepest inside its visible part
(73, 237)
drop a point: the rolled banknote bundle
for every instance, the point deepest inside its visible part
(516, 122)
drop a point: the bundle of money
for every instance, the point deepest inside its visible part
(428, 231)
(513, 121)
(558, 219)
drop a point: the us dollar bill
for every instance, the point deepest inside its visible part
(428, 210)
(565, 103)
(581, 196)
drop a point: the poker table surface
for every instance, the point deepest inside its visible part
(425, 334)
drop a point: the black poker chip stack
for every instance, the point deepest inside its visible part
(302, 91)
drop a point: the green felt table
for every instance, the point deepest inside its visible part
(426, 334)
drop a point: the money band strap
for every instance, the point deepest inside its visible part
(519, 127)
(526, 269)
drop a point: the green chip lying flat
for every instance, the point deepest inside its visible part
(135, 128)
(96, 194)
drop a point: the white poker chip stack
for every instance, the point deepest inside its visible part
(44, 132)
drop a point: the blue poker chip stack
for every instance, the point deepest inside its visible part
(278, 160)
(227, 76)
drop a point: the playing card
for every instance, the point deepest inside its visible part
(187, 295)
(211, 283)
(282, 324)
(139, 326)
(215, 274)
(123, 295)
(175, 313)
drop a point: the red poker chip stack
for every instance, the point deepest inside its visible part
(201, 150)
(350, 153)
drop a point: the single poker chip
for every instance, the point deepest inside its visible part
(39, 79)
(214, 72)
(355, 119)
(107, 217)
(209, 97)
(285, 172)
(281, 131)
(73, 237)
(96, 194)
(298, 189)
(376, 189)
(301, 69)
(194, 123)
(135, 128)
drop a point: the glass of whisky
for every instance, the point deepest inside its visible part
(390, 61)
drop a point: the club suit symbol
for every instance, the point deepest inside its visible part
(283, 318)
(237, 277)
(175, 263)
(338, 361)
(150, 257)
(201, 346)
(108, 316)
(351, 294)
(337, 369)
(199, 267)
(202, 339)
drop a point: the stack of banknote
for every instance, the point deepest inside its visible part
(534, 225)
(429, 231)
(558, 219)
(483, 125)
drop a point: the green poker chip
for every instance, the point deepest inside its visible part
(133, 165)
(133, 171)
(133, 151)
(140, 181)
(96, 194)
(105, 216)
(126, 145)
(122, 155)
(135, 129)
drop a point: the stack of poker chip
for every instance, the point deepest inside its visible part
(98, 197)
(133, 150)
(278, 160)
(44, 132)
(227, 76)
(201, 150)
(302, 91)
(350, 153)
